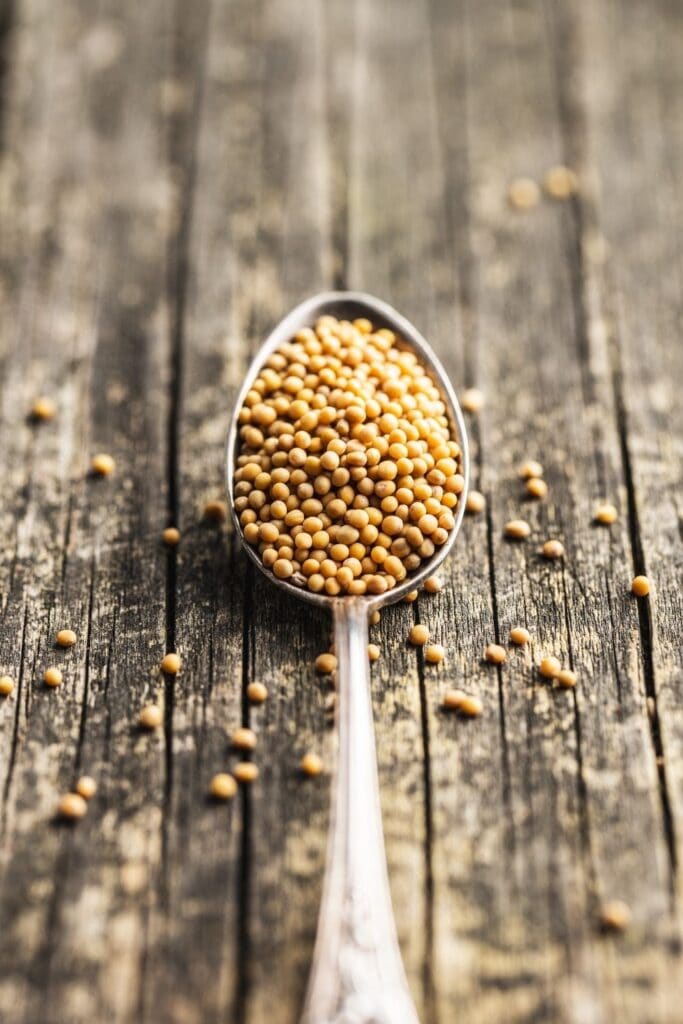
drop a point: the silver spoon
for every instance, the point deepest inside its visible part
(357, 975)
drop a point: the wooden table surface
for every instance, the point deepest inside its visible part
(174, 177)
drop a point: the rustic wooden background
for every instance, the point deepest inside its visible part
(176, 175)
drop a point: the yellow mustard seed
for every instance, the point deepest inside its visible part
(452, 699)
(615, 915)
(102, 464)
(640, 586)
(434, 585)
(373, 652)
(171, 664)
(530, 468)
(520, 636)
(150, 717)
(517, 529)
(52, 677)
(434, 653)
(71, 807)
(243, 739)
(523, 193)
(472, 400)
(476, 503)
(536, 487)
(411, 596)
(86, 787)
(66, 638)
(373, 618)
(222, 786)
(549, 667)
(560, 182)
(566, 678)
(470, 706)
(495, 654)
(553, 549)
(43, 409)
(216, 511)
(326, 663)
(311, 764)
(419, 635)
(245, 771)
(605, 514)
(257, 693)
(6, 686)
(171, 536)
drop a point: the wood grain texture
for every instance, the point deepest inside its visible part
(173, 177)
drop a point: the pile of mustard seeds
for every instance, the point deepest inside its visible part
(347, 475)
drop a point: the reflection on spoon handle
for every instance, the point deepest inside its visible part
(357, 975)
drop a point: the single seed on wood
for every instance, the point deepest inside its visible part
(641, 586)
(530, 468)
(472, 707)
(452, 699)
(325, 663)
(150, 717)
(52, 677)
(560, 182)
(433, 585)
(6, 686)
(103, 464)
(419, 635)
(606, 514)
(615, 915)
(472, 400)
(245, 771)
(222, 786)
(410, 597)
(373, 652)
(549, 667)
(66, 638)
(373, 618)
(476, 503)
(517, 529)
(553, 549)
(171, 536)
(536, 487)
(566, 678)
(243, 739)
(520, 636)
(171, 664)
(434, 653)
(257, 693)
(495, 654)
(86, 787)
(216, 511)
(311, 764)
(71, 806)
(43, 409)
(523, 193)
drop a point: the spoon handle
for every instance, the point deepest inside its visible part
(357, 975)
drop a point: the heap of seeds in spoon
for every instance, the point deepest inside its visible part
(347, 476)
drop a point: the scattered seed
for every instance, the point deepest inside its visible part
(103, 464)
(52, 677)
(243, 739)
(245, 771)
(311, 764)
(641, 586)
(257, 693)
(326, 663)
(529, 469)
(6, 686)
(373, 618)
(171, 664)
(66, 638)
(43, 409)
(171, 536)
(476, 503)
(150, 717)
(472, 400)
(566, 678)
(434, 653)
(536, 487)
(553, 549)
(495, 654)
(549, 667)
(86, 787)
(517, 529)
(472, 707)
(615, 915)
(606, 514)
(411, 596)
(520, 636)
(71, 806)
(560, 182)
(434, 585)
(452, 699)
(523, 193)
(373, 652)
(419, 635)
(216, 511)
(222, 786)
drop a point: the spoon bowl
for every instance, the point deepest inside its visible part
(357, 973)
